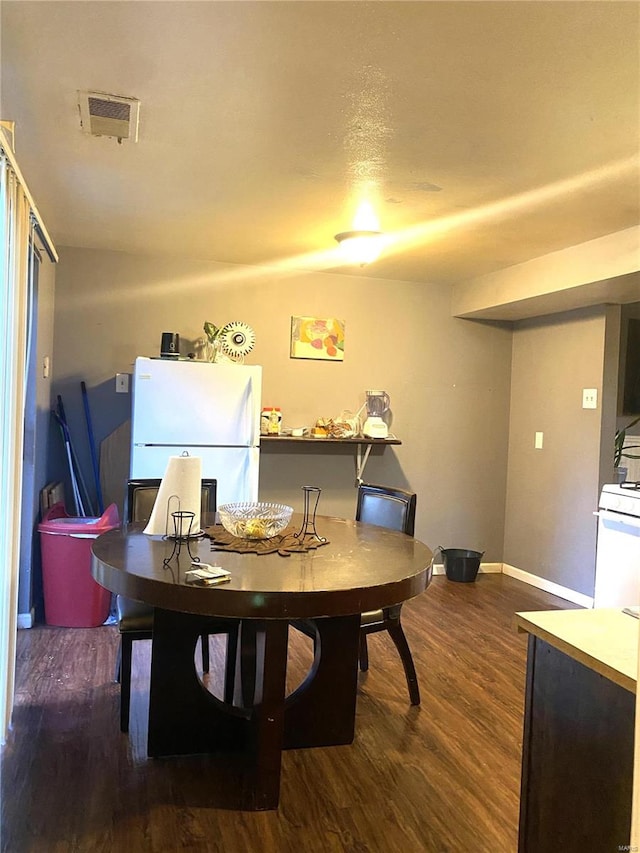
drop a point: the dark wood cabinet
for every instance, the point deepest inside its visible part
(577, 773)
(578, 743)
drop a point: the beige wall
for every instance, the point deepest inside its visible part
(550, 529)
(449, 379)
(460, 412)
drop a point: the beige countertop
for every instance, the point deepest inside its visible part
(605, 640)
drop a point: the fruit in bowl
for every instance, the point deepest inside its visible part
(255, 520)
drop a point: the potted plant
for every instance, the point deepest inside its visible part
(621, 452)
(212, 332)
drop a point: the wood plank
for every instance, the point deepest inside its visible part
(444, 776)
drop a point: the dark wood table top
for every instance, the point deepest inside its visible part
(362, 568)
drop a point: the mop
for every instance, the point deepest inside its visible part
(77, 500)
(78, 484)
(92, 448)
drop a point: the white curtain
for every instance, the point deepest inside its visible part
(15, 239)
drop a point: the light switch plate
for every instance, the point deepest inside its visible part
(122, 383)
(538, 441)
(589, 398)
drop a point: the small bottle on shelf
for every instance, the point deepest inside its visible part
(275, 421)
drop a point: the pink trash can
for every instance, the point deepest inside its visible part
(72, 599)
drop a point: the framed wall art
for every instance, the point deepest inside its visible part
(317, 338)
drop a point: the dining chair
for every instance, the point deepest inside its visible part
(396, 510)
(135, 618)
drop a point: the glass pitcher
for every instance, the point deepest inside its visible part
(377, 403)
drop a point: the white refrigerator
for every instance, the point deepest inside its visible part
(207, 410)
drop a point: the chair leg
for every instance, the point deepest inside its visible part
(398, 637)
(364, 652)
(204, 642)
(126, 646)
(116, 675)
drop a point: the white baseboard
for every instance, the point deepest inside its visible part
(485, 568)
(26, 620)
(531, 579)
(548, 586)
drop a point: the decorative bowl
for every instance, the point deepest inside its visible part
(255, 520)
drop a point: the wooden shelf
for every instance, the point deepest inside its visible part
(307, 439)
(362, 445)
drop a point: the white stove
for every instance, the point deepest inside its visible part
(618, 550)
(624, 497)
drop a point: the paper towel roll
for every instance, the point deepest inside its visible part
(180, 491)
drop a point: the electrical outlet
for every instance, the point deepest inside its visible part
(589, 398)
(538, 441)
(122, 383)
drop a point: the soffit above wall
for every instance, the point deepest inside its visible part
(600, 271)
(618, 291)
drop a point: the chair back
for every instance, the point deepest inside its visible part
(141, 496)
(386, 507)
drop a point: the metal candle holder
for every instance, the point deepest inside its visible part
(308, 529)
(182, 524)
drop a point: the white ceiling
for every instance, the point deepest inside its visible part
(486, 133)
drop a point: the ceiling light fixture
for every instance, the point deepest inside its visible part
(363, 244)
(360, 247)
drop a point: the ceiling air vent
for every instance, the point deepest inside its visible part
(109, 115)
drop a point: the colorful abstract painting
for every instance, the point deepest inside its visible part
(314, 337)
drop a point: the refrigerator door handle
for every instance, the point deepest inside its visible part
(178, 448)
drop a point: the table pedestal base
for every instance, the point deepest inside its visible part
(185, 718)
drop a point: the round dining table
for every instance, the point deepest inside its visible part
(360, 567)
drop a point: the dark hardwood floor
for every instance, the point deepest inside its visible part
(444, 776)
